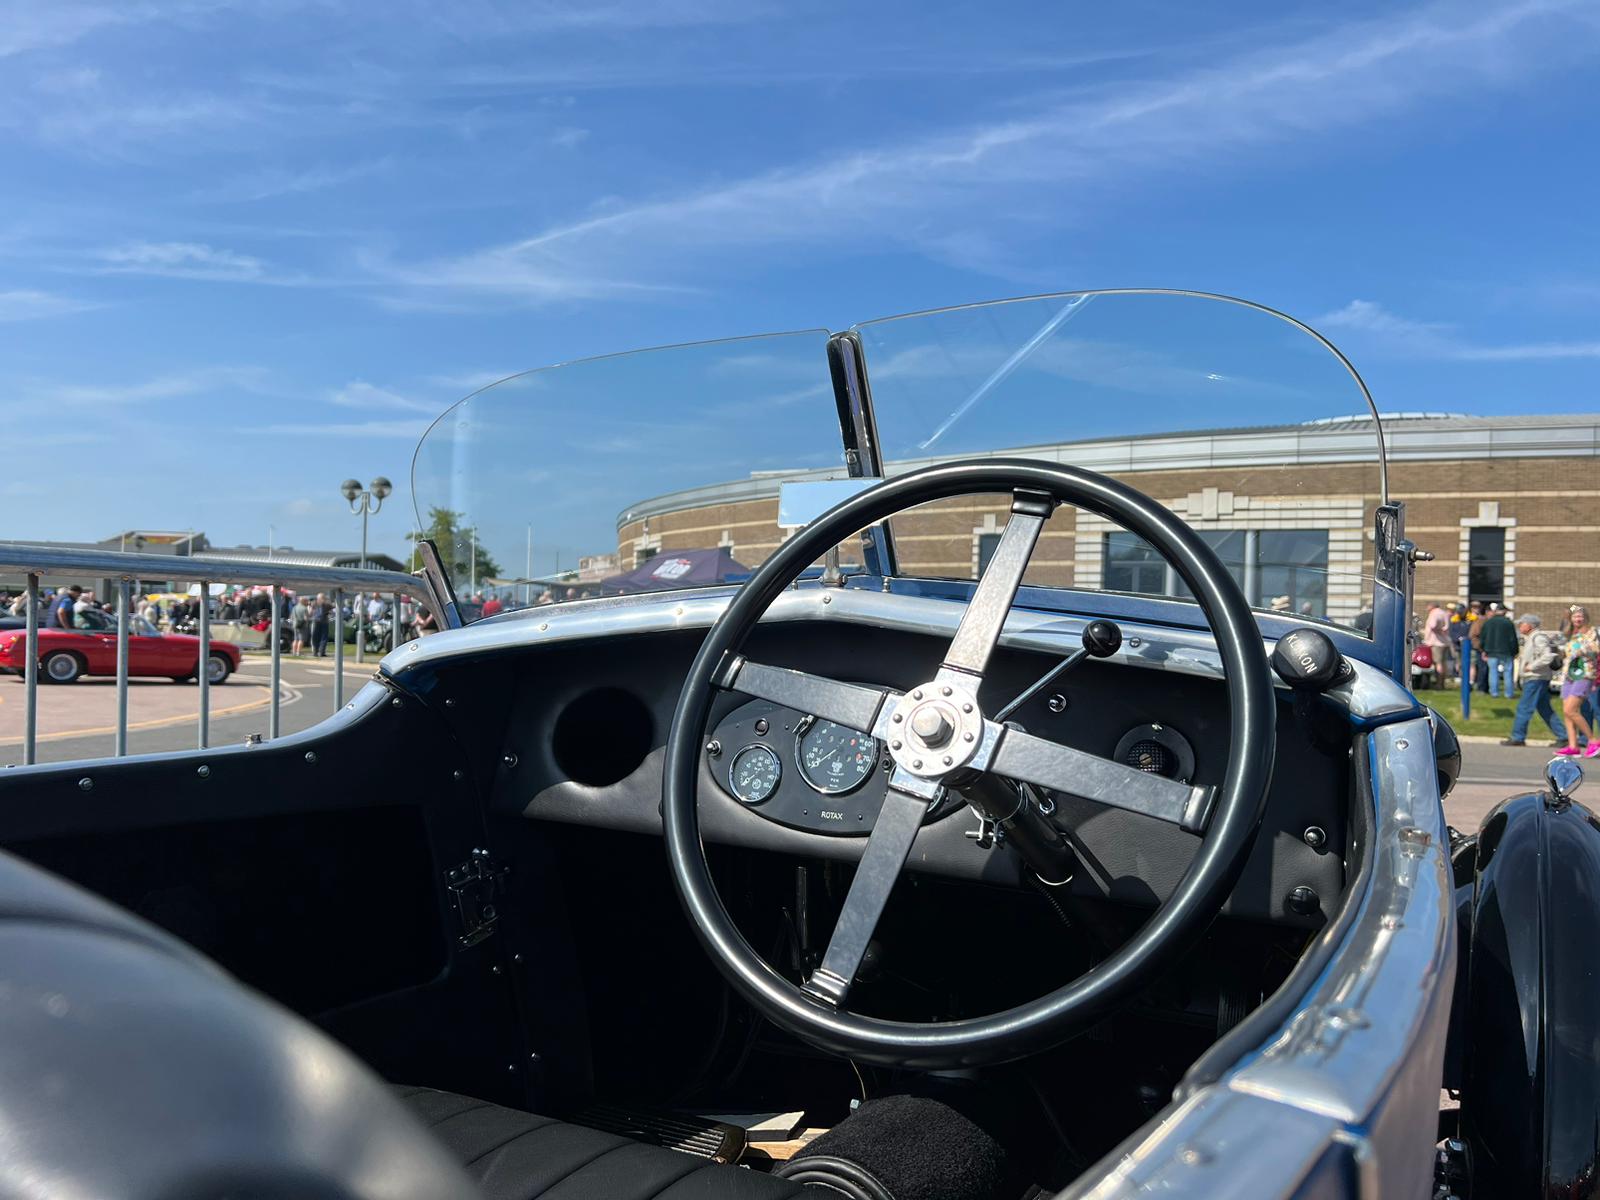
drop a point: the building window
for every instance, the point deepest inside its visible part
(1132, 565)
(1285, 569)
(1486, 563)
(1292, 563)
(644, 554)
(987, 542)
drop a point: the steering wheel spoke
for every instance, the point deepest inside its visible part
(848, 704)
(980, 626)
(881, 861)
(1020, 755)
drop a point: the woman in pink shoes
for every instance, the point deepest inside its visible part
(1578, 681)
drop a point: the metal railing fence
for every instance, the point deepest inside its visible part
(41, 563)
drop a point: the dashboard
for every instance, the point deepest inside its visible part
(579, 730)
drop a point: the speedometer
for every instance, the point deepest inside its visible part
(754, 773)
(835, 759)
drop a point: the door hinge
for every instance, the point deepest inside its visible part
(473, 886)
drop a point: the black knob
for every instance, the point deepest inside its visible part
(1308, 661)
(1302, 901)
(1102, 638)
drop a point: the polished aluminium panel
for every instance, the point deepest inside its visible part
(1369, 694)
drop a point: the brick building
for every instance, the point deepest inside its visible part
(1508, 505)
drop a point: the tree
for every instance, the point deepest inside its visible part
(455, 543)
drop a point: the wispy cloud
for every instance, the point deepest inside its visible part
(405, 430)
(27, 305)
(181, 260)
(1403, 336)
(368, 397)
(1062, 159)
(197, 382)
(29, 25)
(274, 182)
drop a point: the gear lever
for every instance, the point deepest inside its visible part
(1101, 639)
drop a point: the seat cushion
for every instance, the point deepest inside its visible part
(518, 1156)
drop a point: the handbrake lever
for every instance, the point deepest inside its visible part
(1101, 639)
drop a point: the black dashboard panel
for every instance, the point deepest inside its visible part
(824, 778)
(1126, 857)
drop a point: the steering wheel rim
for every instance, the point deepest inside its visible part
(1171, 929)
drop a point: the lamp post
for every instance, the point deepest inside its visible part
(366, 501)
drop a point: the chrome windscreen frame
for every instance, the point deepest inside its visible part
(1371, 696)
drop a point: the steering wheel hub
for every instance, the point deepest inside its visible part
(934, 729)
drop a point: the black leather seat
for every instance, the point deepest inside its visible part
(130, 1066)
(517, 1156)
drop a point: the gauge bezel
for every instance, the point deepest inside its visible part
(733, 765)
(804, 731)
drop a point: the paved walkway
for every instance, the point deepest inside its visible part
(79, 720)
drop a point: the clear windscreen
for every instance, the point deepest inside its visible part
(635, 472)
(1244, 423)
(664, 468)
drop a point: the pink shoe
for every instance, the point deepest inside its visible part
(1591, 750)
(1569, 751)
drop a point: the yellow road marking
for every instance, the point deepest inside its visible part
(290, 695)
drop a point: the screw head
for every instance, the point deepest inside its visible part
(896, 744)
(948, 760)
(1057, 703)
(916, 764)
(510, 760)
(397, 703)
(917, 695)
(86, 784)
(456, 774)
(451, 702)
(898, 718)
(944, 691)
(967, 736)
(203, 771)
(966, 708)
(714, 748)
(1315, 836)
(311, 757)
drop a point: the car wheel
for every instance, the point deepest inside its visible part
(62, 666)
(218, 669)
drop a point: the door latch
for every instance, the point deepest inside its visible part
(473, 886)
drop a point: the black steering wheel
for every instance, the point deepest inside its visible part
(937, 733)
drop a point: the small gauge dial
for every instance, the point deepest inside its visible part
(754, 773)
(835, 759)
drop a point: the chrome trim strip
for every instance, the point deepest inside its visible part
(1369, 695)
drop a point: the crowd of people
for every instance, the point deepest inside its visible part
(1485, 648)
(306, 620)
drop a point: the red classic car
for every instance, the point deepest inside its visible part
(66, 655)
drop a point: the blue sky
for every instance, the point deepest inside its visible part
(248, 249)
